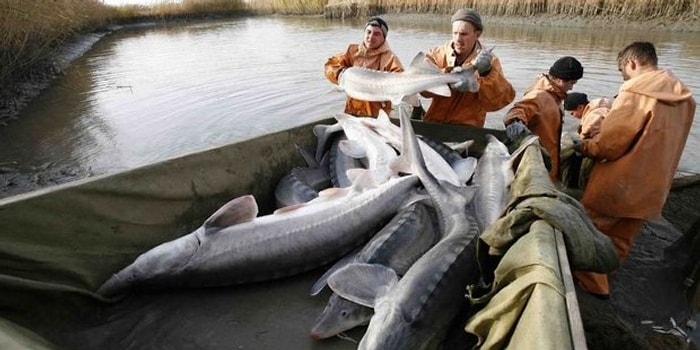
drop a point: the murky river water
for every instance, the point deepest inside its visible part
(143, 95)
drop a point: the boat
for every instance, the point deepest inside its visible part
(59, 244)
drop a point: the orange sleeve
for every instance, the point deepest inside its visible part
(524, 110)
(335, 64)
(495, 91)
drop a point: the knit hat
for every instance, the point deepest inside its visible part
(379, 23)
(468, 15)
(575, 99)
(567, 68)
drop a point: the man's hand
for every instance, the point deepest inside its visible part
(482, 62)
(517, 129)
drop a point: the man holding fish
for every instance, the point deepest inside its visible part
(373, 53)
(495, 91)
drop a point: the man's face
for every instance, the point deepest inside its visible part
(464, 35)
(624, 67)
(578, 112)
(564, 85)
(374, 37)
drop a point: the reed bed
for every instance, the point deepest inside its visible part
(29, 29)
(288, 7)
(621, 9)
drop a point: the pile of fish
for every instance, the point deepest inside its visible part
(398, 214)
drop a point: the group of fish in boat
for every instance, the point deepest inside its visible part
(399, 215)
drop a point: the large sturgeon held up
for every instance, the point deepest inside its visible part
(234, 246)
(421, 75)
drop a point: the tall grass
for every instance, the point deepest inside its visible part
(288, 7)
(29, 29)
(622, 9)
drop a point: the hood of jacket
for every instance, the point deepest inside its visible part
(659, 84)
(543, 83)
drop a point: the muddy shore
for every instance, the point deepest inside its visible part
(648, 290)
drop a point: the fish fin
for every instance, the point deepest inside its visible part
(464, 168)
(323, 134)
(323, 280)
(238, 210)
(353, 149)
(363, 284)
(289, 208)
(421, 64)
(330, 193)
(362, 179)
(462, 147)
(442, 90)
(309, 158)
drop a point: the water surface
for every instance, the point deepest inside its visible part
(144, 95)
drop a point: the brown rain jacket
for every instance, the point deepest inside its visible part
(468, 108)
(639, 146)
(592, 116)
(357, 55)
(540, 111)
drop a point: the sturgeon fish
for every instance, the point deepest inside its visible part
(415, 312)
(234, 246)
(397, 246)
(493, 176)
(421, 75)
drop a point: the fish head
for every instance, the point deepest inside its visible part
(338, 316)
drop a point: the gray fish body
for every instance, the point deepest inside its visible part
(422, 305)
(339, 163)
(397, 246)
(492, 176)
(267, 247)
(373, 85)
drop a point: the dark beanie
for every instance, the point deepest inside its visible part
(468, 15)
(567, 68)
(575, 99)
(379, 23)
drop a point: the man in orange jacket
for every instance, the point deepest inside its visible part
(637, 152)
(540, 111)
(464, 107)
(590, 113)
(374, 53)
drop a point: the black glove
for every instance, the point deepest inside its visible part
(517, 129)
(482, 62)
(417, 113)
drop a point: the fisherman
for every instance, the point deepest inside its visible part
(575, 170)
(590, 113)
(374, 53)
(637, 152)
(539, 110)
(464, 107)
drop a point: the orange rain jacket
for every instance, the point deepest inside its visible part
(592, 115)
(357, 55)
(540, 111)
(639, 146)
(468, 108)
